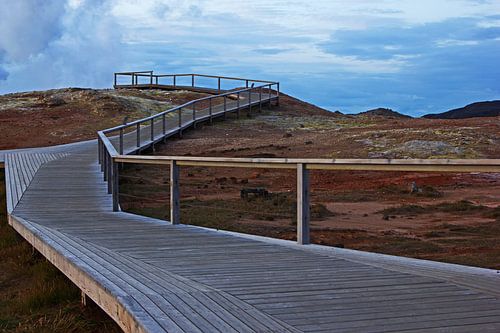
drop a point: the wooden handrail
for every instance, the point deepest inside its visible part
(430, 165)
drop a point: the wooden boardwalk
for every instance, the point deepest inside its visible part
(151, 276)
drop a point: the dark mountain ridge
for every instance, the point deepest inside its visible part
(479, 109)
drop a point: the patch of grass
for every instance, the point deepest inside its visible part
(34, 295)
(458, 207)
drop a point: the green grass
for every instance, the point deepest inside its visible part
(34, 295)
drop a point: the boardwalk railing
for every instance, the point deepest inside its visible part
(110, 157)
(148, 78)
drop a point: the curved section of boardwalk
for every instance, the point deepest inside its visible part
(151, 276)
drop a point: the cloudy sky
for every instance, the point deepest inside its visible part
(413, 56)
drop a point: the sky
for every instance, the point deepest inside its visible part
(416, 57)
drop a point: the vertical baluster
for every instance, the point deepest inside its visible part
(238, 105)
(269, 96)
(109, 177)
(260, 99)
(174, 193)
(278, 94)
(164, 123)
(121, 141)
(99, 150)
(138, 134)
(303, 214)
(210, 109)
(249, 101)
(152, 129)
(116, 187)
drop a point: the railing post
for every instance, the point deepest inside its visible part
(303, 213)
(180, 121)
(192, 80)
(174, 193)
(109, 177)
(174, 80)
(138, 133)
(260, 99)
(114, 80)
(133, 79)
(278, 95)
(249, 101)
(238, 105)
(246, 83)
(164, 124)
(210, 109)
(116, 187)
(104, 167)
(151, 78)
(269, 96)
(121, 141)
(99, 150)
(152, 129)
(218, 85)
(156, 79)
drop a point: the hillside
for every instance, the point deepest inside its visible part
(44, 118)
(479, 109)
(383, 112)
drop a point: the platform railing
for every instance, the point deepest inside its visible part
(110, 157)
(147, 131)
(172, 80)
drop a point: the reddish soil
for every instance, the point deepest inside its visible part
(44, 118)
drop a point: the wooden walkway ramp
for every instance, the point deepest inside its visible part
(151, 276)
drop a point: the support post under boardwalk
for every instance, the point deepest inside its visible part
(174, 193)
(303, 213)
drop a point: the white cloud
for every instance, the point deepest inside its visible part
(456, 42)
(77, 43)
(27, 27)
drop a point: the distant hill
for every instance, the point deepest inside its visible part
(479, 109)
(383, 112)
